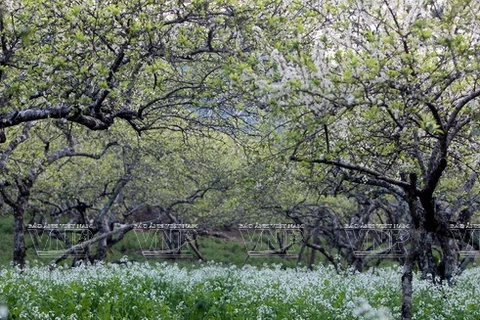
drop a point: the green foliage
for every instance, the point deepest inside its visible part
(385, 87)
(139, 291)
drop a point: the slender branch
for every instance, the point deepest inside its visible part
(114, 68)
(417, 153)
(85, 244)
(70, 152)
(14, 144)
(459, 107)
(121, 183)
(352, 167)
(376, 182)
(8, 200)
(436, 115)
(192, 198)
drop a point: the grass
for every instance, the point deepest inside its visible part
(215, 291)
(6, 244)
(188, 289)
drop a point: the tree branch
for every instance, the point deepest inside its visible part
(352, 167)
(459, 106)
(14, 144)
(70, 113)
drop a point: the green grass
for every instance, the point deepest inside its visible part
(213, 291)
(6, 243)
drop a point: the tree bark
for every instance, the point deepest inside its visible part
(311, 260)
(103, 242)
(407, 290)
(447, 265)
(407, 277)
(19, 251)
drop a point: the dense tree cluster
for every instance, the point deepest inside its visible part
(322, 113)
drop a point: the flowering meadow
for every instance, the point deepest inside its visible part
(215, 291)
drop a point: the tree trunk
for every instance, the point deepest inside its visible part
(407, 290)
(407, 277)
(448, 263)
(19, 251)
(311, 260)
(104, 228)
(425, 256)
